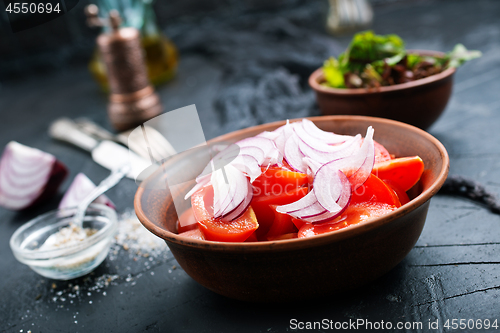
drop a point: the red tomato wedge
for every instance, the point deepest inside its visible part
(188, 221)
(265, 214)
(276, 181)
(404, 171)
(194, 233)
(374, 190)
(298, 222)
(215, 229)
(291, 235)
(402, 196)
(282, 225)
(354, 214)
(252, 238)
(381, 154)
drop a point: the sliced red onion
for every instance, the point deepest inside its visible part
(268, 135)
(256, 152)
(312, 166)
(312, 141)
(271, 152)
(202, 182)
(345, 149)
(328, 187)
(285, 132)
(28, 176)
(248, 165)
(293, 155)
(361, 175)
(229, 190)
(242, 207)
(343, 202)
(309, 208)
(78, 190)
(326, 137)
(308, 200)
(357, 166)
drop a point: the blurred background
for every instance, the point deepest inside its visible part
(241, 62)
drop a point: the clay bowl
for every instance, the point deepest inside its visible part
(303, 268)
(419, 103)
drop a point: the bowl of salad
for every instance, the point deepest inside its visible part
(377, 76)
(297, 209)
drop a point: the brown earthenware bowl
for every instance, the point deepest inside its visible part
(419, 103)
(304, 268)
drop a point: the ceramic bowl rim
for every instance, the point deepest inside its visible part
(295, 244)
(317, 76)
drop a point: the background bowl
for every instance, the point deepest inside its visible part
(310, 267)
(419, 103)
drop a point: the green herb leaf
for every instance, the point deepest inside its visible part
(333, 73)
(460, 55)
(371, 74)
(367, 47)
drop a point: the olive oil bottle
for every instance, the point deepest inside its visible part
(160, 52)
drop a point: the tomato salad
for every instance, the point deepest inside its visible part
(297, 181)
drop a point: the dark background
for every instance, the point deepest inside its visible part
(69, 41)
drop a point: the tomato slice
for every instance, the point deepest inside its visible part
(265, 214)
(284, 236)
(194, 234)
(354, 214)
(275, 181)
(298, 222)
(282, 225)
(215, 229)
(188, 221)
(402, 195)
(252, 238)
(374, 190)
(404, 171)
(381, 154)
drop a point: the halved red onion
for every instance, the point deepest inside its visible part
(78, 190)
(28, 176)
(326, 137)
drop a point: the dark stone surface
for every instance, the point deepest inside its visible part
(453, 271)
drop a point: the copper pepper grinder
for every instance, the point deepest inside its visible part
(132, 100)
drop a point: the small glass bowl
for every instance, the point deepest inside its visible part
(68, 262)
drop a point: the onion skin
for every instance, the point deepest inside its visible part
(16, 195)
